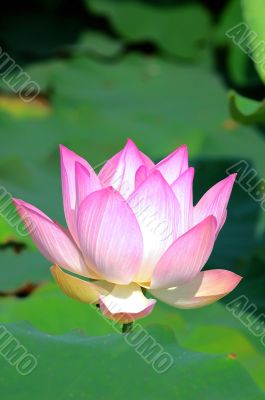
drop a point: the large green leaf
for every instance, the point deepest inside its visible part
(95, 44)
(75, 366)
(246, 111)
(221, 330)
(236, 61)
(237, 346)
(51, 311)
(254, 15)
(152, 101)
(171, 28)
(20, 269)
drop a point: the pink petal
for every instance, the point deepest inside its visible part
(84, 184)
(52, 241)
(110, 236)
(182, 187)
(68, 166)
(174, 164)
(206, 288)
(157, 211)
(126, 303)
(214, 202)
(141, 175)
(186, 256)
(119, 172)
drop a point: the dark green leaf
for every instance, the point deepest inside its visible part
(246, 111)
(75, 366)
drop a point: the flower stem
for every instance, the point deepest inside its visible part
(126, 328)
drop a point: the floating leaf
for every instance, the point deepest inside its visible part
(75, 366)
(172, 28)
(246, 111)
(20, 109)
(254, 38)
(19, 269)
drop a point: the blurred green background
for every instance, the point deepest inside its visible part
(163, 73)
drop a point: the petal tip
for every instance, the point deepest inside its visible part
(130, 142)
(233, 178)
(183, 147)
(63, 149)
(66, 153)
(16, 202)
(236, 279)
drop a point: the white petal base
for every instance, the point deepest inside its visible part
(126, 303)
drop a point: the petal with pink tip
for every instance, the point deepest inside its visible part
(157, 211)
(126, 303)
(84, 184)
(119, 172)
(206, 288)
(186, 256)
(68, 168)
(214, 202)
(52, 240)
(110, 236)
(174, 164)
(182, 187)
(79, 289)
(141, 175)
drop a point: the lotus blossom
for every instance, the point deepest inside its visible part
(132, 228)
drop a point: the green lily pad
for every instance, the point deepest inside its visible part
(172, 28)
(113, 350)
(236, 61)
(144, 98)
(254, 36)
(65, 314)
(75, 366)
(98, 45)
(246, 111)
(20, 269)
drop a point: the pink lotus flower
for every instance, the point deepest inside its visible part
(134, 226)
